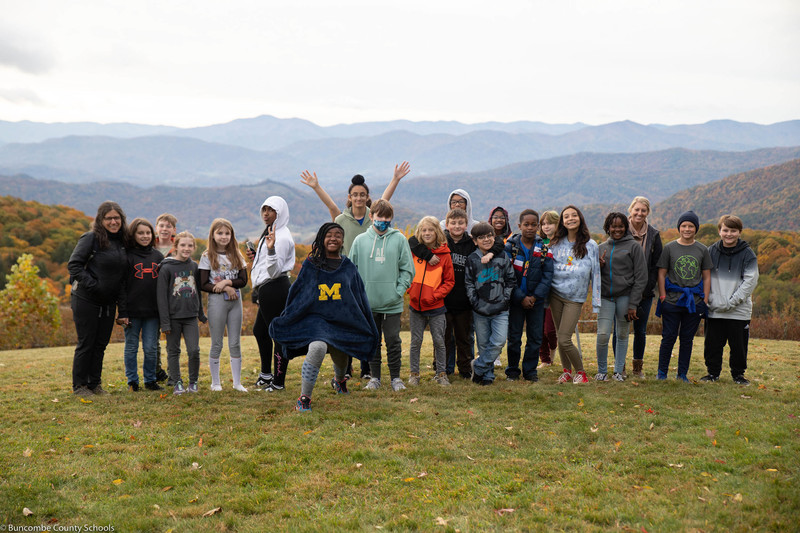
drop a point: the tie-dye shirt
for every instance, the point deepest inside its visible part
(572, 276)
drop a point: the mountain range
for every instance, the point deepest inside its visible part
(247, 151)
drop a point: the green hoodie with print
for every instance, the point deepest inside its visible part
(385, 264)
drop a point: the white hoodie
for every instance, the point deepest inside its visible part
(268, 265)
(470, 221)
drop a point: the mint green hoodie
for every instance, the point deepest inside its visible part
(384, 263)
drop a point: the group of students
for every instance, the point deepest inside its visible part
(467, 281)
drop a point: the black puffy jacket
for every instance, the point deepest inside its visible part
(97, 274)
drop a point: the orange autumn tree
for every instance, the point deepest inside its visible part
(29, 315)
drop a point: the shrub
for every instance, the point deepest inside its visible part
(29, 316)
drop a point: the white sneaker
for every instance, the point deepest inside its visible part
(397, 385)
(600, 376)
(374, 384)
(618, 376)
(216, 388)
(497, 362)
(240, 388)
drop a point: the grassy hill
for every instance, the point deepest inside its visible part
(766, 198)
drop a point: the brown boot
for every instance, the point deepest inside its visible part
(638, 372)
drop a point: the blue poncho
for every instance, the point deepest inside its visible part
(329, 306)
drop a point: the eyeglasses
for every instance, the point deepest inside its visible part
(485, 237)
(112, 219)
(498, 217)
(462, 203)
(359, 194)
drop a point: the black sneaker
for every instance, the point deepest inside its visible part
(153, 385)
(264, 381)
(512, 378)
(303, 404)
(741, 380)
(272, 387)
(486, 382)
(161, 375)
(133, 386)
(709, 378)
(366, 376)
(340, 386)
(534, 378)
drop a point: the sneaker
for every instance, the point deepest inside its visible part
(133, 386)
(99, 391)
(413, 379)
(580, 377)
(347, 376)
(178, 388)
(303, 404)
(273, 387)
(512, 378)
(398, 385)
(533, 378)
(161, 375)
(566, 377)
(544, 365)
(682, 378)
(374, 384)
(192, 387)
(83, 392)
(216, 388)
(153, 385)
(340, 386)
(486, 382)
(709, 378)
(601, 376)
(441, 379)
(239, 387)
(618, 376)
(366, 377)
(741, 380)
(263, 381)
(497, 362)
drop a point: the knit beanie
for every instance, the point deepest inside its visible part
(689, 216)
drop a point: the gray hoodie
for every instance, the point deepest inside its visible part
(625, 270)
(178, 294)
(734, 277)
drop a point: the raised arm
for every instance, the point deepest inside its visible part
(400, 171)
(311, 180)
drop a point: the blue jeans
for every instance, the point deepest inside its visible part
(678, 322)
(639, 329)
(612, 312)
(491, 333)
(148, 327)
(533, 320)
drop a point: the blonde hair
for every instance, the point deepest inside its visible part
(639, 200)
(231, 250)
(182, 235)
(434, 223)
(551, 217)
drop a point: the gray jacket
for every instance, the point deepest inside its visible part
(625, 270)
(734, 277)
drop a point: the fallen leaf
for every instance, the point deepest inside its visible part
(501, 512)
(594, 428)
(412, 436)
(309, 431)
(580, 404)
(137, 424)
(650, 410)
(509, 427)
(746, 397)
(27, 512)
(89, 446)
(212, 512)
(560, 393)
(200, 444)
(714, 442)
(652, 425)
(738, 497)
(762, 386)
(720, 461)
(156, 506)
(710, 433)
(470, 458)
(679, 465)
(409, 479)
(84, 400)
(705, 474)
(412, 400)
(54, 400)
(117, 482)
(195, 466)
(359, 465)
(27, 452)
(618, 444)
(193, 500)
(772, 469)
(701, 499)
(470, 412)
(165, 489)
(440, 521)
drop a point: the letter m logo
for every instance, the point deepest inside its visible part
(332, 293)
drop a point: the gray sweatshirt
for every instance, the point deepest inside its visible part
(178, 292)
(625, 269)
(734, 277)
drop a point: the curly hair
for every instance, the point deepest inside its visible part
(317, 255)
(611, 217)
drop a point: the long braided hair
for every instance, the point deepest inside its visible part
(317, 255)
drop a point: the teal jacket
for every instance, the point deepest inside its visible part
(385, 264)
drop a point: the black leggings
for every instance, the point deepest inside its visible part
(94, 324)
(271, 302)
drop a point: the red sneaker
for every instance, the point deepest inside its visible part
(580, 377)
(566, 377)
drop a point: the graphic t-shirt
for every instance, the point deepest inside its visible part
(222, 273)
(685, 265)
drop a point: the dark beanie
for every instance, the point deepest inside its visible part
(689, 216)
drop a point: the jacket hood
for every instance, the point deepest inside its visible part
(740, 245)
(507, 228)
(464, 194)
(348, 213)
(625, 238)
(443, 249)
(281, 207)
(375, 234)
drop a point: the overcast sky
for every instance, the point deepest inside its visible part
(199, 62)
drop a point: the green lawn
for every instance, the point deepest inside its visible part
(633, 456)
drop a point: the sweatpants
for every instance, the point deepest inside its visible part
(224, 313)
(417, 323)
(271, 302)
(389, 327)
(565, 316)
(189, 328)
(93, 324)
(736, 333)
(313, 361)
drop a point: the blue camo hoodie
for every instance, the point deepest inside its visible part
(489, 286)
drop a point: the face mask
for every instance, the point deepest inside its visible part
(381, 225)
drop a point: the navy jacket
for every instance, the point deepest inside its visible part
(537, 271)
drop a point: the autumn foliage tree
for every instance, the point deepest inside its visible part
(29, 315)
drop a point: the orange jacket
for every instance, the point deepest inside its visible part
(432, 283)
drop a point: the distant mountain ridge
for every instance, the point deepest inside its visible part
(220, 159)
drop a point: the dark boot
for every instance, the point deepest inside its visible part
(638, 372)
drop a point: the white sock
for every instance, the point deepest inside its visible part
(213, 366)
(236, 370)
